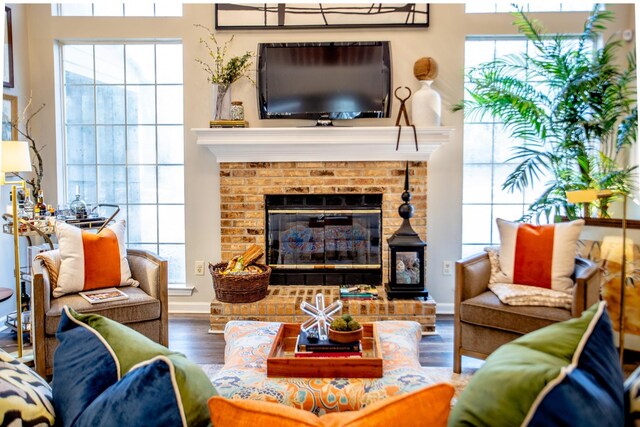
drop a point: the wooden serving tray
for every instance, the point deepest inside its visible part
(283, 363)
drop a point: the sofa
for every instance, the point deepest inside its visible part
(106, 374)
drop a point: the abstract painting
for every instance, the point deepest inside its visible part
(263, 16)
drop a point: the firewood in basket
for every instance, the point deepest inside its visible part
(252, 254)
(253, 269)
(234, 265)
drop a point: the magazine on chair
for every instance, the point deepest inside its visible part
(103, 295)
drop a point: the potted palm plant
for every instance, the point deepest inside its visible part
(572, 104)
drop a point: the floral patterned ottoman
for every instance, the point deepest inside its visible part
(244, 375)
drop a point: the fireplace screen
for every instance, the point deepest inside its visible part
(309, 239)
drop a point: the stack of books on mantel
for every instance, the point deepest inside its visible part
(326, 348)
(361, 292)
(228, 124)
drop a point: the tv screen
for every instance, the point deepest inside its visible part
(324, 81)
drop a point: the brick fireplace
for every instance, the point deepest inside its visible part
(243, 186)
(254, 162)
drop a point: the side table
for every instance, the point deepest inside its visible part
(5, 294)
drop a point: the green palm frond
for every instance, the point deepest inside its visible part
(576, 108)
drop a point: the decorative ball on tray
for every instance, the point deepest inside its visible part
(345, 329)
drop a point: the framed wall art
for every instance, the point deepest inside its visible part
(264, 16)
(8, 49)
(9, 115)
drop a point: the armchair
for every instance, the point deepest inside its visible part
(482, 323)
(146, 309)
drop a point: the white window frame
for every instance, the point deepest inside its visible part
(57, 10)
(63, 190)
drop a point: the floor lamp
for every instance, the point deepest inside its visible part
(586, 197)
(15, 157)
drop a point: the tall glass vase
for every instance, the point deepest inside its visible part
(220, 101)
(426, 106)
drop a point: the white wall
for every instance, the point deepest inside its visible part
(21, 89)
(443, 40)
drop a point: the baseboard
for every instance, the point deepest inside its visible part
(181, 291)
(444, 308)
(189, 307)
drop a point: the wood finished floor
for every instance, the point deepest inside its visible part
(189, 334)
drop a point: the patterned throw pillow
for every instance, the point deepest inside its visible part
(428, 406)
(25, 398)
(91, 261)
(538, 255)
(102, 367)
(566, 374)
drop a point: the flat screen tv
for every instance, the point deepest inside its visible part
(324, 81)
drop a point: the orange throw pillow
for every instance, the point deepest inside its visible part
(538, 255)
(91, 261)
(428, 406)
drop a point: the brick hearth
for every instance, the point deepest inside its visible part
(282, 304)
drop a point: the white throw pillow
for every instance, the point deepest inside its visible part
(538, 255)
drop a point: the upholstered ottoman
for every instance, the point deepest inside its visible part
(244, 375)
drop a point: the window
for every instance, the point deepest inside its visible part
(486, 158)
(487, 150)
(117, 9)
(546, 6)
(124, 142)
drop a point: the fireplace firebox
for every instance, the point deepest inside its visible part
(324, 239)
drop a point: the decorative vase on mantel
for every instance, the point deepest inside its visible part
(220, 101)
(426, 104)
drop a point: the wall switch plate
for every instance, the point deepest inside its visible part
(199, 268)
(447, 268)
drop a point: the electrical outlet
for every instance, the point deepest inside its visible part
(199, 270)
(447, 268)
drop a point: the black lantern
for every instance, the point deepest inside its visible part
(406, 254)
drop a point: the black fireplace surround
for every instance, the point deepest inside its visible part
(324, 239)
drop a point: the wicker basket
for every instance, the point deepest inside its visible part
(239, 287)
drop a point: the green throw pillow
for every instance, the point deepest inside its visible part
(565, 374)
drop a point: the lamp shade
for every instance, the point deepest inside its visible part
(15, 157)
(587, 196)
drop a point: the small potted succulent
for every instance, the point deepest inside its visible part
(345, 329)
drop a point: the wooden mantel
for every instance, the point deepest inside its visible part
(299, 144)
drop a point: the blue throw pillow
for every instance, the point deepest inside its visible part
(102, 367)
(567, 374)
